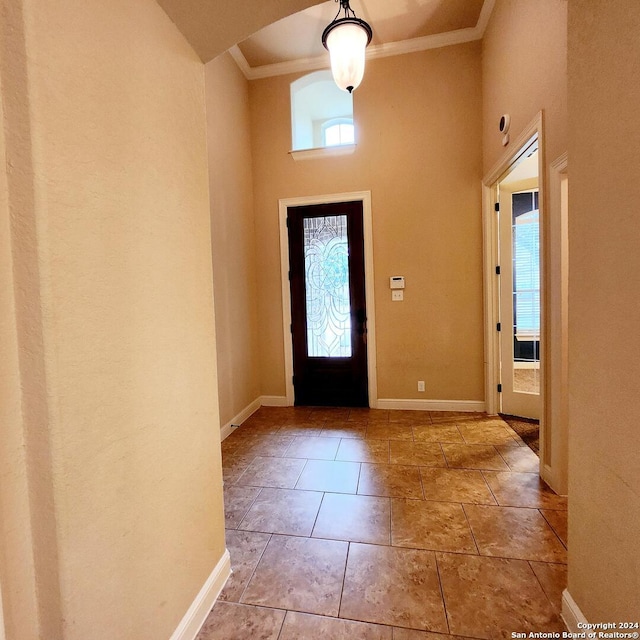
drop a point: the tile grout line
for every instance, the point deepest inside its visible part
(444, 602)
(444, 457)
(464, 440)
(315, 520)
(540, 583)
(505, 460)
(284, 619)
(519, 448)
(344, 579)
(424, 493)
(473, 535)
(244, 515)
(491, 490)
(304, 466)
(390, 521)
(481, 555)
(539, 509)
(253, 573)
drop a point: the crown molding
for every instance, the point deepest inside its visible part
(459, 36)
(279, 68)
(485, 15)
(241, 61)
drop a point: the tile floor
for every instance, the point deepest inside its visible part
(386, 525)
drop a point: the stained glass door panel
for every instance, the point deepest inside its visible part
(328, 309)
(328, 305)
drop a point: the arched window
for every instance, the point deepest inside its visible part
(338, 131)
(321, 114)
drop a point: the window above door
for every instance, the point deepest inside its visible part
(321, 114)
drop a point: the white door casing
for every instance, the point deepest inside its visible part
(284, 204)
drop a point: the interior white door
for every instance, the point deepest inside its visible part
(519, 246)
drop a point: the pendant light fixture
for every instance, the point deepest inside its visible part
(346, 39)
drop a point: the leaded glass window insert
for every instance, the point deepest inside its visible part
(326, 266)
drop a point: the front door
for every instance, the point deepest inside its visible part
(328, 307)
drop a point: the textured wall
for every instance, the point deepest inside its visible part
(232, 236)
(604, 294)
(418, 120)
(524, 70)
(112, 268)
(17, 571)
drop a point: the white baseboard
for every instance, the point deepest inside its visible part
(571, 614)
(240, 418)
(548, 474)
(274, 401)
(381, 403)
(431, 405)
(197, 613)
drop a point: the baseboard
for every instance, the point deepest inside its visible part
(393, 403)
(549, 476)
(571, 614)
(197, 613)
(431, 405)
(240, 418)
(546, 473)
(274, 401)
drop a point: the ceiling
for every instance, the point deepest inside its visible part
(294, 44)
(526, 169)
(212, 26)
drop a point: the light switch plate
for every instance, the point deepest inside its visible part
(397, 295)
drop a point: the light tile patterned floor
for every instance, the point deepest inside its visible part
(386, 525)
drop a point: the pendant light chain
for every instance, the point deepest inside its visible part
(346, 7)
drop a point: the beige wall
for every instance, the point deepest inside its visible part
(418, 120)
(112, 267)
(604, 294)
(524, 71)
(232, 236)
(19, 608)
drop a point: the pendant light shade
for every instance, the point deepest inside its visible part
(346, 39)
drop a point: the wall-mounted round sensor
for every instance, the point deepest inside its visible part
(505, 122)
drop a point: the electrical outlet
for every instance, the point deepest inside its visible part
(421, 385)
(397, 295)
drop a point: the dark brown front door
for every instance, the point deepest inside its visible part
(328, 308)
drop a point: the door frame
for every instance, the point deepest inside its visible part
(490, 261)
(367, 222)
(554, 444)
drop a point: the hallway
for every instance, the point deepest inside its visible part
(374, 524)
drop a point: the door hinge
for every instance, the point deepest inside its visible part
(496, 206)
(499, 326)
(288, 222)
(497, 270)
(289, 276)
(499, 388)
